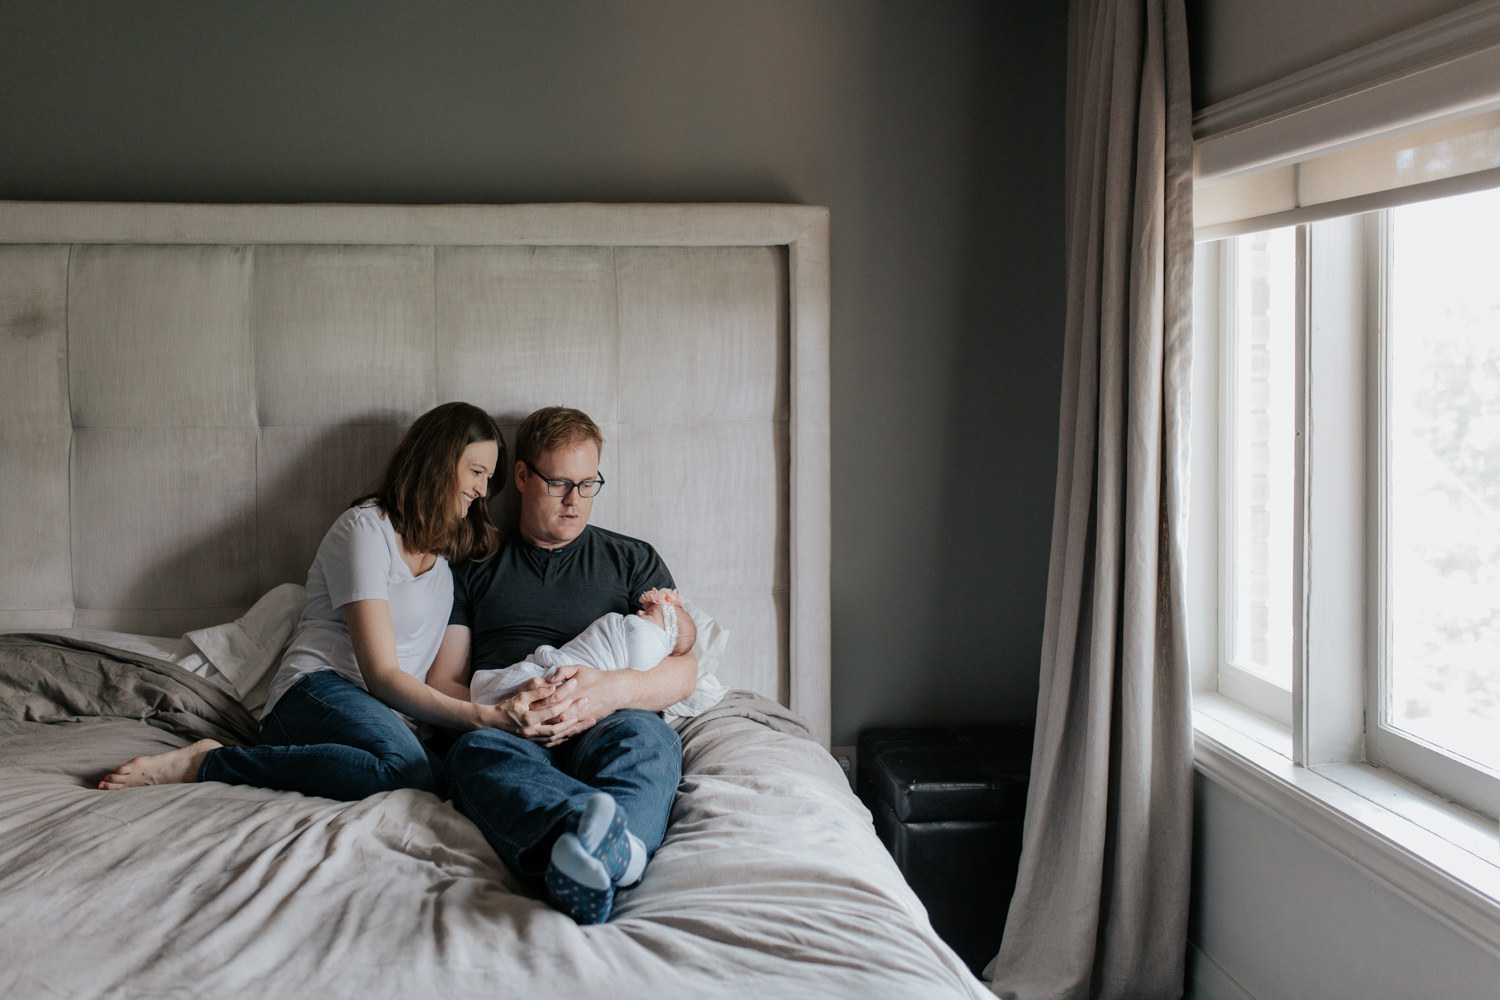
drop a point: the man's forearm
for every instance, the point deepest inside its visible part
(665, 684)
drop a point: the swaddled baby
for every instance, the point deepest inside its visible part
(614, 641)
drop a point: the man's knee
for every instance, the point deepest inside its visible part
(646, 728)
(636, 735)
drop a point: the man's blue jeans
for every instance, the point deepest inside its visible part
(523, 796)
(327, 737)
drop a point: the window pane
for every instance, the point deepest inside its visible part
(1443, 484)
(1263, 377)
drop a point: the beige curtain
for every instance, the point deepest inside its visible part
(1100, 908)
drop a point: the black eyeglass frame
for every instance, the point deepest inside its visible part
(567, 485)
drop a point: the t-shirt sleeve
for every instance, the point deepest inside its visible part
(649, 571)
(357, 562)
(460, 613)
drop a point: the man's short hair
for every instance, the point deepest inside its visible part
(554, 427)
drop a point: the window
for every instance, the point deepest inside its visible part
(1439, 488)
(1358, 485)
(1258, 337)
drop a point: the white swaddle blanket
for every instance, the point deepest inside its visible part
(613, 642)
(629, 642)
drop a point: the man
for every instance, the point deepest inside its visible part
(534, 789)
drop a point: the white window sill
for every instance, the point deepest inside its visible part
(1438, 855)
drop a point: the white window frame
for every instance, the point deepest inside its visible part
(1330, 515)
(1322, 769)
(1425, 763)
(1340, 519)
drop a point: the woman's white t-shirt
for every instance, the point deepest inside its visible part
(358, 560)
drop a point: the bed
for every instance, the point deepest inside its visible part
(189, 394)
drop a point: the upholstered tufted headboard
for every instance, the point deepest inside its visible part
(190, 393)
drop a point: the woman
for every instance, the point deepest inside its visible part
(378, 597)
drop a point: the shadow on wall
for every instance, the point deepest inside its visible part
(1003, 421)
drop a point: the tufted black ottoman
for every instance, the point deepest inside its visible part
(948, 803)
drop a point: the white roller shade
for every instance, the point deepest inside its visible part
(1415, 116)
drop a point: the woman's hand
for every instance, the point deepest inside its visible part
(546, 712)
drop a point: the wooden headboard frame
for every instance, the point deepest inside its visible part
(51, 391)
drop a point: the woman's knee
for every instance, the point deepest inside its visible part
(394, 772)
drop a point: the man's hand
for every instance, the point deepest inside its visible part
(551, 711)
(606, 691)
(545, 712)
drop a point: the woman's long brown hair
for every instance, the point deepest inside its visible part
(420, 484)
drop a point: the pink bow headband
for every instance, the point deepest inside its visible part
(668, 599)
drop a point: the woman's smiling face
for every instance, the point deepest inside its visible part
(475, 467)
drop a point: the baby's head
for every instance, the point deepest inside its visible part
(664, 607)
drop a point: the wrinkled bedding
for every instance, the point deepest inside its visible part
(771, 882)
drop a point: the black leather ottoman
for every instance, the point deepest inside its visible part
(948, 803)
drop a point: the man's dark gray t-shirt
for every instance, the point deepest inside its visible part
(525, 596)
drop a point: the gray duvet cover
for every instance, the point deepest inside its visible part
(771, 882)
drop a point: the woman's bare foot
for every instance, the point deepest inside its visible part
(174, 766)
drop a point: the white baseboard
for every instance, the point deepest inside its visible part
(1207, 981)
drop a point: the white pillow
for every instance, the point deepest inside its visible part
(244, 653)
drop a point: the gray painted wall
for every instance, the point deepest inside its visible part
(1241, 44)
(1277, 913)
(933, 131)
(1285, 917)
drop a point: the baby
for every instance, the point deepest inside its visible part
(613, 642)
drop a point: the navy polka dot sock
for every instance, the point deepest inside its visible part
(578, 882)
(602, 832)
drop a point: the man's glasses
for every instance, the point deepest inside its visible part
(562, 487)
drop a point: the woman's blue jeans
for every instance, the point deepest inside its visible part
(327, 737)
(523, 796)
